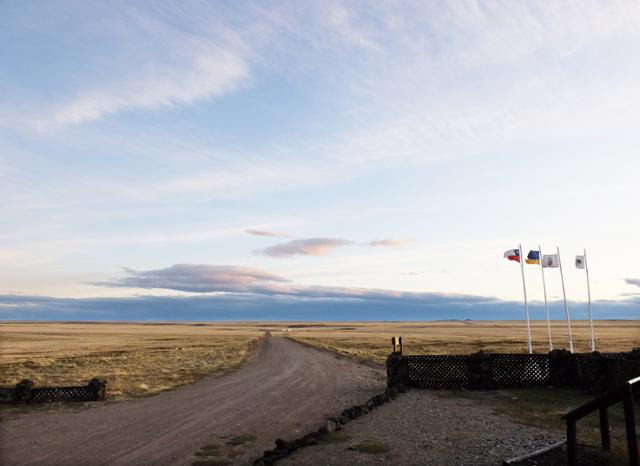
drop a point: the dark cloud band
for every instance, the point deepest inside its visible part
(244, 306)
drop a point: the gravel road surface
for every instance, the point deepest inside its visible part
(285, 390)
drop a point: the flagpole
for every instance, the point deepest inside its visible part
(546, 303)
(586, 269)
(566, 308)
(526, 306)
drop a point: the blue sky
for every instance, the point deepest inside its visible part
(317, 150)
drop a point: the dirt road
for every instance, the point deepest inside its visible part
(284, 390)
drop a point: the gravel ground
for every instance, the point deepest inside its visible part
(421, 428)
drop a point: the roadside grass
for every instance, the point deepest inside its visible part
(372, 448)
(544, 407)
(209, 450)
(135, 359)
(224, 454)
(241, 439)
(211, 462)
(235, 452)
(337, 436)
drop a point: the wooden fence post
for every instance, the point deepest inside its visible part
(479, 367)
(98, 387)
(397, 371)
(23, 391)
(596, 380)
(562, 369)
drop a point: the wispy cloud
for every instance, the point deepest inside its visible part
(320, 246)
(306, 247)
(388, 242)
(209, 74)
(348, 30)
(256, 232)
(234, 179)
(633, 281)
(175, 62)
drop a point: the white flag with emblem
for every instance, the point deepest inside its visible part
(579, 262)
(550, 260)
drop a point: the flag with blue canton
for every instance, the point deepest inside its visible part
(513, 255)
(533, 257)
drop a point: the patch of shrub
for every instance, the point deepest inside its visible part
(209, 450)
(211, 462)
(241, 439)
(337, 436)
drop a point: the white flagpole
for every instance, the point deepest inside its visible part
(546, 303)
(566, 308)
(526, 306)
(586, 269)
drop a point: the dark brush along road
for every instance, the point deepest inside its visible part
(285, 390)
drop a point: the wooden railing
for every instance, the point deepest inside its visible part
(624, 393)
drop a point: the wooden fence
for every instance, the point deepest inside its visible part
(25, 392)
(593, 372)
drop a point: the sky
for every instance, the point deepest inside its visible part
(367, 159)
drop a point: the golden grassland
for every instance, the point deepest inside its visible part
(139, 359)
(135, 359)
(372, 341)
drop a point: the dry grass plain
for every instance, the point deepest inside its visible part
(140, 359)
(135, 359)
(372, 341)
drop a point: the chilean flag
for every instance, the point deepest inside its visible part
(513, 255)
